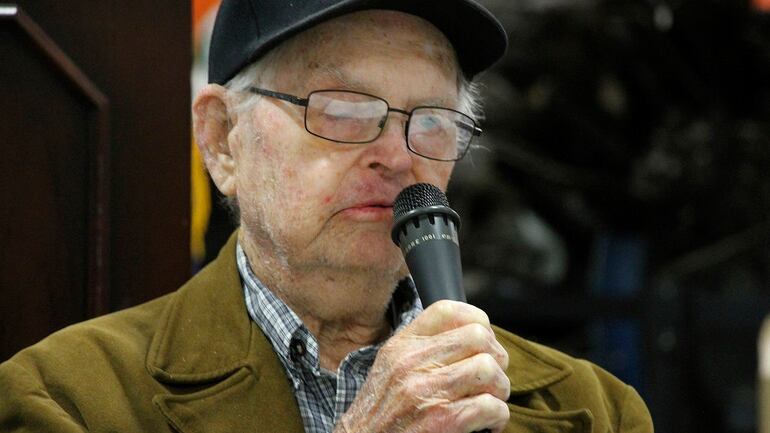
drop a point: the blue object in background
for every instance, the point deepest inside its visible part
(619, 266)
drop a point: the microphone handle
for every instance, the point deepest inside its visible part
(440, 270)
(436, 271)
(441, 284)
(432, 254)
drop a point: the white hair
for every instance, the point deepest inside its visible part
(469, 91)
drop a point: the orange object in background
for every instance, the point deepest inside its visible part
(761, 5)
(201, 8)
(200, 193)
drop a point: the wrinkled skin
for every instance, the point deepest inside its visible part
(316, 218)
(443, 373)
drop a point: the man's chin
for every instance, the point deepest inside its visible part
(379, 263)
(374, 257)
(358, 248)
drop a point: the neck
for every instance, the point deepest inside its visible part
(337, 339)
(344, 309)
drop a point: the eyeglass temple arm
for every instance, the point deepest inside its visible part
(474, 129)
(278, 95)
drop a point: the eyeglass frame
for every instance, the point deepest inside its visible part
(303, 102)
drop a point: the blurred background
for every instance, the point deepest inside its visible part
(622, 212)
(617, 206)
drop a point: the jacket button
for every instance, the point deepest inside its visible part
(297, 350)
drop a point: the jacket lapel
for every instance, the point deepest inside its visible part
(219, 369)
(531, 371)
(248, 400)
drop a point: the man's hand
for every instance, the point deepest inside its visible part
(444, 373)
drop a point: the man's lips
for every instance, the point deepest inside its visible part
(370, 211)
(378, 203)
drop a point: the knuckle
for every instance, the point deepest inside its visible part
(484, 318)
(505, 388)
(400, 363)
(487, 366)
(408, 386)
(476, 314)
(443, 309)
(478, 334)
(502, 409)
(488, 400)
(494, 411)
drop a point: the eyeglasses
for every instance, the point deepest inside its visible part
(344, 116)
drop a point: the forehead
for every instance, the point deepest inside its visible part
(378, 39)
(388, 28)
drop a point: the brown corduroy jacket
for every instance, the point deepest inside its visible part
(193, 362)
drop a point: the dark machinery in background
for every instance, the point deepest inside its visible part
(626, 155)
(629, 158)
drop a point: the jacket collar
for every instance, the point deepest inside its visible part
(205, 332)
(530, 368)
(207, 339)
(207, 344)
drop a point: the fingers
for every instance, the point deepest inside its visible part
(472, 414)
(445, 333)
(479, 412)
(464, 342)
(447, 395)
(424, 353)
(446, 315)
(476, 375)
(444, 372)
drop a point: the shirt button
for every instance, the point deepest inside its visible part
(297, 350)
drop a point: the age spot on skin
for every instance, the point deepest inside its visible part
(290, 173)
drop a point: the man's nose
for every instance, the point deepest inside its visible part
(389, 151)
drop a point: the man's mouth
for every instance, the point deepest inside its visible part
(376, 204)
(372, 211)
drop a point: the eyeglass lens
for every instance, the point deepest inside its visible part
(351, 117)
(345, 116)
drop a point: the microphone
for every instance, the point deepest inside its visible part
(425, 228)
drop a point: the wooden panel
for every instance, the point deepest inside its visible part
(54, 219)
(58, 254)
(139, 53)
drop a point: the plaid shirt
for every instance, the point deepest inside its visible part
(322, 395)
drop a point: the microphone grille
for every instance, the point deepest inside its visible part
(418, 196)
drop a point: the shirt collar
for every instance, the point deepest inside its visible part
(282, 326)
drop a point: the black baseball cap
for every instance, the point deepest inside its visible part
(247, 29)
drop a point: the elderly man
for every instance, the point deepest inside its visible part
(317, 115)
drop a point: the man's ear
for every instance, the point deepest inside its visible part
(211, 127)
